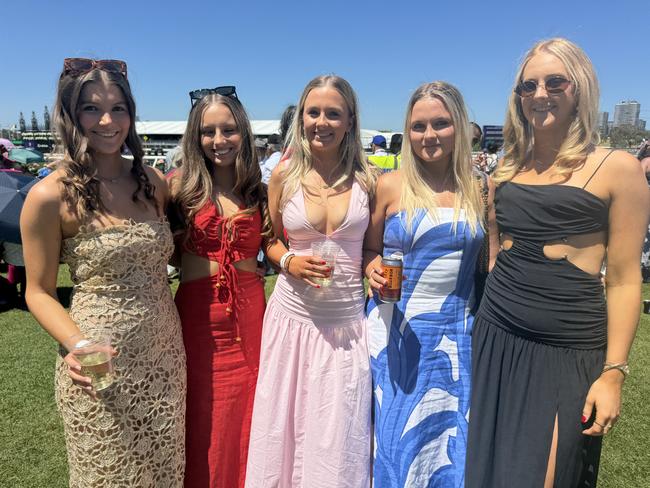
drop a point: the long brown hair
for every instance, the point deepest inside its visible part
(196, 173)
(80, 183)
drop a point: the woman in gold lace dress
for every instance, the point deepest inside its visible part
(101, 214)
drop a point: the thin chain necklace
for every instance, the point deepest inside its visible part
(109, 180)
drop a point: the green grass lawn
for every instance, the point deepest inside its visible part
(32, 452)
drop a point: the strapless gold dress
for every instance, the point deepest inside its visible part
(133, 436)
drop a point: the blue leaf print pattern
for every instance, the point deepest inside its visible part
(420, 355)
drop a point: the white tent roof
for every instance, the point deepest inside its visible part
(260, 127)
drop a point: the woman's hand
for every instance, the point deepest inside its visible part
(306, 268)
(605, 397)
(74, 371)
(376, 278)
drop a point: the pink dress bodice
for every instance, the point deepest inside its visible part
(344, 298)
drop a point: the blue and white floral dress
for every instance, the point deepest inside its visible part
(420, 354)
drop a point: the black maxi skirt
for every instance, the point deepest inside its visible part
(518, 388)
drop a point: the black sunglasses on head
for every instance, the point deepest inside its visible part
(553, 85)
(226, 91)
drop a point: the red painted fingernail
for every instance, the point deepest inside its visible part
(317, 286)
(323, 262)
(584, 419)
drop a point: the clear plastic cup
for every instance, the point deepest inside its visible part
(94, 355)
(327, 251)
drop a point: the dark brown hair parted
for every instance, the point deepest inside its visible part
(80, 184)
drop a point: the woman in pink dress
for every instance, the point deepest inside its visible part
(311, 418)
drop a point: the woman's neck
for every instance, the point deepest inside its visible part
(438, 175)
(223, 179)
(547, 145)
(108, 166)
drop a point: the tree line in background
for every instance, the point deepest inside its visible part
(627, 136)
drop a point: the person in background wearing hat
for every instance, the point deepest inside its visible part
(381, 158)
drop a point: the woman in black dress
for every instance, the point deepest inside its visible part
(549, 352)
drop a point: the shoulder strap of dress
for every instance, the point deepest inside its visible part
(596, 171)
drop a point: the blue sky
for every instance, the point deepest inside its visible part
(270, 50)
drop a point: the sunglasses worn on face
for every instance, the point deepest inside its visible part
(553, 86)
(79, 66)
(226, 91)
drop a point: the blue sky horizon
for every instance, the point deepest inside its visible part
(270, 51)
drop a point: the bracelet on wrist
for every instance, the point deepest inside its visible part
(622, 367)
(284, 258)
(288, 262)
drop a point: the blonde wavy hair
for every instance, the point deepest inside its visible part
(194, 188)
(351, 155)
(80, 183)
(416, 194)
(582, 135)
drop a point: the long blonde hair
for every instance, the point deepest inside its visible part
(582, 135)
(195, 186)
(351, 155)
(416, 194)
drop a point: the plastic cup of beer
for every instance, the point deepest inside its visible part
(94, 355)
(327, 251)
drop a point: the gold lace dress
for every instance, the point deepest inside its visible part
(133, 436)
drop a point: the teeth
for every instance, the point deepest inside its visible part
(221, 152)
(106, 134)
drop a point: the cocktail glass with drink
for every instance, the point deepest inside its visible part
(95, 356)
(328, 251)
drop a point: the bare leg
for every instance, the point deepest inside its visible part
(550, 468)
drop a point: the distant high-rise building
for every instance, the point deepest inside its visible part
(627, 113)
(641, 124)
(603, 119)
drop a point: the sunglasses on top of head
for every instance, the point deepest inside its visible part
(554, 85)
(80, 66)
(226, 91)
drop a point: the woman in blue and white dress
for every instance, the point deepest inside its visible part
(430, 211)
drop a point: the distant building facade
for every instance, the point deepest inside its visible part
(603, 123)
(627, 113)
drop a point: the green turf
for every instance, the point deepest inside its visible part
(32, 450)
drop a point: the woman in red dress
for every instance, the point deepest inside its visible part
(220, 202)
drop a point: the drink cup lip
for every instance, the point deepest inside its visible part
(81, 342)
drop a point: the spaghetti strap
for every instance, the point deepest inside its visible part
(596, 171)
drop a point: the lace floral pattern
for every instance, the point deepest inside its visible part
(134, 435)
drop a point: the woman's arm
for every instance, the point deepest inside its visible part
(40, 226)
(373, 244)
(493, 229)
(301, 267)
(628, 221)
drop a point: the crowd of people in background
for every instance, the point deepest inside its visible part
(513, 383)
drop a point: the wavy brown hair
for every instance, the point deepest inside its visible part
(194, 189)
(582, 135)
(80, 183)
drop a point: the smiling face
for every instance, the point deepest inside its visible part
(221, 139)
(326, 118)
(104, 117)
(542, 110)
(431, 131)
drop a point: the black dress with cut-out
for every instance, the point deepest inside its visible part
(538, 344)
